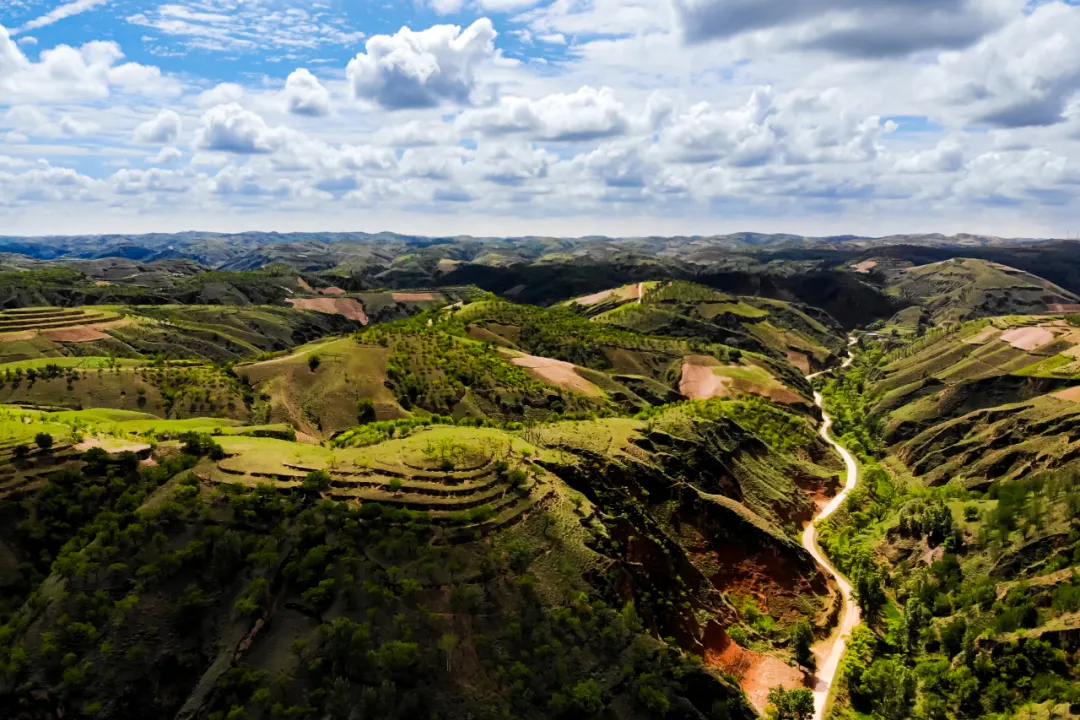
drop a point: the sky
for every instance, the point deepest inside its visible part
(552, 117)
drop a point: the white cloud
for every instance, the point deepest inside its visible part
(422, 69)
(416, 134)
(587, 114)
(305, 95)
(61, 12)
(1023, 75)
(884, 29)
(66, 74)
(166, 156)
(163, 129)
(232, 129)
(221, 94)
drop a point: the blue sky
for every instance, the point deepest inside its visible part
(540, 116)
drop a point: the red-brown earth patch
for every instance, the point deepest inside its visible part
(346, 307)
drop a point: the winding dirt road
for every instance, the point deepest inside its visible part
(832, 650)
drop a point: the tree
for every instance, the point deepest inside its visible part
(447, 643)
(21, 450)
(802, 637)
(317, 481)
(790, 704)
(44, 441)
(365, 410)
(313, 362)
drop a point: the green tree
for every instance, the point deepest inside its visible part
(44, 440)
(313, 362)
(317, 481)
(790, 704)
(802, 638)
(365, 410)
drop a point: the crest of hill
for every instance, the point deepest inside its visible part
(804, 336)
(966, 288)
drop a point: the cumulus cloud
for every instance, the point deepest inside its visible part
(416, 134)
(587, 114)
(66, 74)
(511, 165)
(221, 94)
(742, 136)
(305, 95)
(232, 129)
(422, 69)
(849, 27)
(163, 129)
(1024, 75)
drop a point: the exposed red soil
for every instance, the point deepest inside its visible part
(75, 335)
(332, 291)
(1028, 338)
(756, 673)
(595, 298)
(346, 307)
(304, 284)
(865, 266)
(799, 360)
(699, 382)
(1072, 394)
(557, 372)
(414, 297)
(1063, 308)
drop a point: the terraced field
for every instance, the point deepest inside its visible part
(58, 324)
(470, 482)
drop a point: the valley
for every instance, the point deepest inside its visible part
(400, 486)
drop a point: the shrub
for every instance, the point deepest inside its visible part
(396, 484)
(22, 450)
(317, 481)
(313, 363)
(44, 440)
(365, 410)
(802, 637)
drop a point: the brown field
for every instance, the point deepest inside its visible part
(414, 297)
(595, 298)
(346, 307)
(865, 266)
(75, 335)
(799, 360)
(558, 373)
(699, 382)
(984, 336)
(1063, 308)
(1028, 338)
(1072, 394)
(304, 284)
(332, 291)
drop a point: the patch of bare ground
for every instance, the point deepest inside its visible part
(699, 382)
(865, 266)
(595, 298)
(756, 673)
(1063, 308)
(799, 360)
(414, 297)
(1072, 394)
(346, 307)
(557, 372)
(1028, 338)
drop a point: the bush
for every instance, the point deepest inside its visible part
(314, 361)
(317, 481)
(44, 440)
(95, 459)
(802, 637)
(516, 479)
(22, 450)
(365, 410)
(790, 704)
(198, 445)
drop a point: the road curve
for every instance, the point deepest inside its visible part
(850, 618)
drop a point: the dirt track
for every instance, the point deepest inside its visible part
(831, 651)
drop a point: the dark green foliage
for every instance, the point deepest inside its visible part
(802, 638)
(21, 450)
(317, 481)
(313, 362)
(365, 410)
(44, 441)
(790, 704)
(198, 445)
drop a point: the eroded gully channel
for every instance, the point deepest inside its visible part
(832, 650)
